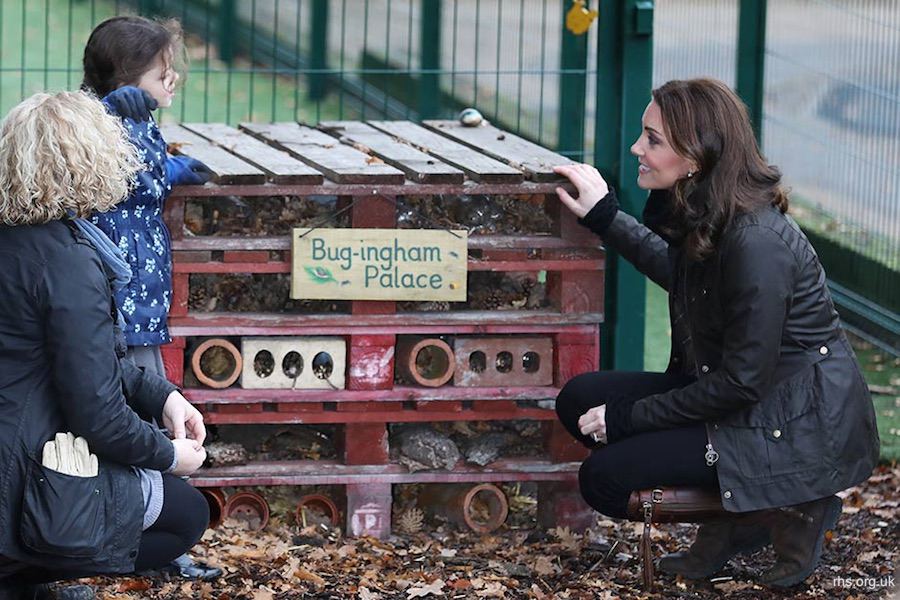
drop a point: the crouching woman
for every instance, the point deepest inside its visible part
(763, 400)
(105, 495)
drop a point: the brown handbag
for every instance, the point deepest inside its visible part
(670, 505)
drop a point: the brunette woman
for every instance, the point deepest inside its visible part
(763, 399)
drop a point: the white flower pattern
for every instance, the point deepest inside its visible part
(136, 227)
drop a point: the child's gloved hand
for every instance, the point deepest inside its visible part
(131, 102)
(184, 170)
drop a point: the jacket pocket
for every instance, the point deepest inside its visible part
(62, 515)
(783, 434)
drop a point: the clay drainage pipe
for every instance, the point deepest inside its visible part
(249, 508)
(428, 362)
(313, 505)
(482, 508)
(216, 363)
(215, 497)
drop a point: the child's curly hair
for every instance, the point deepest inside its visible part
(121, 49)
(62, 154)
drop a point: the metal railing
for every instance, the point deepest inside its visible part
(309, 60)
(831, 122)
(831, 109)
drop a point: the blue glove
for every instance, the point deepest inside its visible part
(131, 102)
(184, 170)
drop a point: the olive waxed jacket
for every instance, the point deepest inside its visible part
(777, 384)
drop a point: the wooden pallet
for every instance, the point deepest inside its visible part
(367, 166)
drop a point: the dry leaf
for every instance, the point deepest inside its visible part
(305, 575)
(544, 566)
(133, 585)
(434, 588)
(365, 594)
(493, 589)
(460, 584)
(868, 556)
(570, 541)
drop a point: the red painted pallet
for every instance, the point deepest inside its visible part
(367, 168)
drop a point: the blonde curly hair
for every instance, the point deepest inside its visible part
(62, 153)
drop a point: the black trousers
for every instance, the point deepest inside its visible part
(184, 518)
(671, 457)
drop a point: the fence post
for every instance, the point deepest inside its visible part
(624, 79)
(147, 7)
(227, 30)
(318, 27)
(751, 55)
(572, 90)
(430, 59)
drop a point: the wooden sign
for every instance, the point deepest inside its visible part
(379, 264)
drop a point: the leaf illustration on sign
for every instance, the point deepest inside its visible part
(320, 274)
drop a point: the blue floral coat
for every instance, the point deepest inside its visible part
(136, 226)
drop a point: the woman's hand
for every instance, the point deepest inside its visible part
(593, 423)
(591, 186)
(182, 419)
(190, 456)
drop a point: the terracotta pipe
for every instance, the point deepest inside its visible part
(320, 503)
(427, 361)
(461, 505)
(249, 508)
(215, 497)
(221, 380)
(495, 501)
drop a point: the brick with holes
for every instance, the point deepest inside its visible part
(503, 361)
(293, 362)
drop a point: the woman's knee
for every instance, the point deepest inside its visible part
(572, 400)
(199, 515)
(185, 509)
(600, 486)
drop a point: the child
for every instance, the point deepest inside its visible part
(129, 62)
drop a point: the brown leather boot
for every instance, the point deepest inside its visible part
(716, 543)
(797, 535)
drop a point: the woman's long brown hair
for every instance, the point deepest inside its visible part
(708, 124)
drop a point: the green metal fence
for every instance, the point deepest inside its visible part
(830, 111)
(307, 60)
(830, 117)
(832, 122)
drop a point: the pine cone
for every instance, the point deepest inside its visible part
(198, 298)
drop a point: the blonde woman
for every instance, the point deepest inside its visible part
(63, 157)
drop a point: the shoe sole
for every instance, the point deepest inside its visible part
(833, 512)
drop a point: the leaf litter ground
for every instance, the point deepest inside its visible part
(286, 562)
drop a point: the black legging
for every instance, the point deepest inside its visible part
(184, 517)
(671, 457)
(180, 525)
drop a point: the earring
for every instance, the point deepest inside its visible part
(690, 174)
